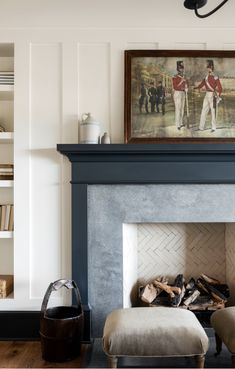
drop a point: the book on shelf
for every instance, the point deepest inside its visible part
(2, 220)
(11, 221)
(6, 165)
(6, 217)
(6, 285)
(6, 178)
(6, 171)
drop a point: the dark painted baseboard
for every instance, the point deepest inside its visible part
(25, 325)
(19, 325)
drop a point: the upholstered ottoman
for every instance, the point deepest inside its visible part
(223, 322)
(154, 332)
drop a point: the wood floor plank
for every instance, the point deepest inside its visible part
(25, 354)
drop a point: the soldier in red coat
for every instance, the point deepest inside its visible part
(180, 88)
(213, 88)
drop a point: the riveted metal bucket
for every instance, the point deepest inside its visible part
(61, 327)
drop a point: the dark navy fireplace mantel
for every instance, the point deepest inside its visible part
(160, 163)
(135, 164)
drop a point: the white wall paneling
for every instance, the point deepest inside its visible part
(69, 134)
(94, 88)
(106, 13)
(45, 133)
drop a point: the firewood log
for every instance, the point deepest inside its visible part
(149, 293)
(162, 280)
(189, 300)
(201, 287)
(216, 306)
(215, 293)
(209, 280)
(190, 285)
(223, 288)
(169, 289)
(179, 282)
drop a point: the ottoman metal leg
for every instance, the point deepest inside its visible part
(200, 360)
(218, 344)
(112, 362)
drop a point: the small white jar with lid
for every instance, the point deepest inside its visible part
(89, 129)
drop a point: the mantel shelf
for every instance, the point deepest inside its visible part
(151, 163)
(81, 150)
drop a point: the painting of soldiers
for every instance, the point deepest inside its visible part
(161, 97)
(177, 95)
(213, 88)
(180, 89)
(152, 92)
(143, 99)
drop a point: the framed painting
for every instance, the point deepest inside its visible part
(179, 96)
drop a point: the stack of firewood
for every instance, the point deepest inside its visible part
(204, 293)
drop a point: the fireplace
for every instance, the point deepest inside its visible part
(119, 186)
(153, 250)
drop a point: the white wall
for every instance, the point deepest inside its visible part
(69, 60)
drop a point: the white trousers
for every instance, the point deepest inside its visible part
(208, 105)
(179, 100)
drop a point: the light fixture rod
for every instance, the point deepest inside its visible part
(211, 12)
(197, 4)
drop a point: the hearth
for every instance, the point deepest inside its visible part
(118, 185)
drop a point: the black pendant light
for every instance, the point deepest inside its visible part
(197, 4)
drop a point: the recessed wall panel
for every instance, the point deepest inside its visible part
(45, 204)
(93, 81)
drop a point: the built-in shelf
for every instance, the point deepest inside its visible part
(6, 137)
(7, 157)
(6, 234)
(6, 183)
(6, 92)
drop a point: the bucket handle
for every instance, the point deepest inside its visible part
(55, 286)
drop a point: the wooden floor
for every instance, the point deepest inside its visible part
(21, 354)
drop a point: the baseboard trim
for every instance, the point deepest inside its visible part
(19, 325)
(24, 325)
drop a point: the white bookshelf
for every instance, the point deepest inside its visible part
(7, 157)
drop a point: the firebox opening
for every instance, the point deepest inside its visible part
(154, 250)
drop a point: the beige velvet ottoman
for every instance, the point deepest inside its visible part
(154, 332)
(223, 322)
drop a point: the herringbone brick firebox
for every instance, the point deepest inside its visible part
(152, 250)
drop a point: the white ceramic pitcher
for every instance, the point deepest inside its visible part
(89, 129)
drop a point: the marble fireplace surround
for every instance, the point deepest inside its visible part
(113, 185)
